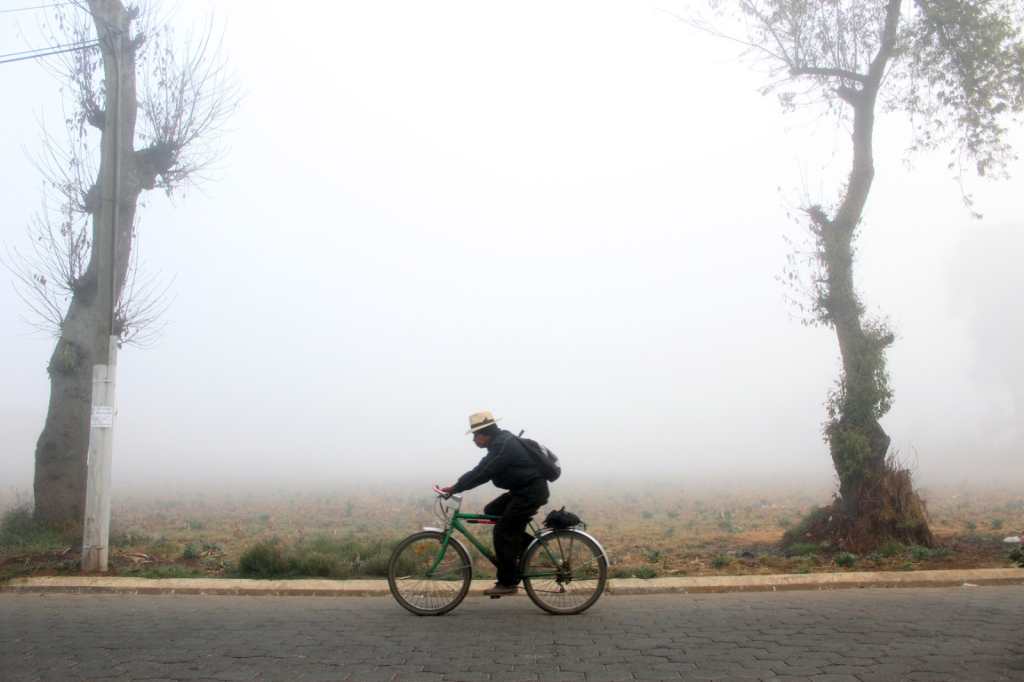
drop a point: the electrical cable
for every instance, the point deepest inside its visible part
(46, 49)
(27, 9)
(46, 52)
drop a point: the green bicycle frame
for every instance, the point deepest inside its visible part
(455, 524)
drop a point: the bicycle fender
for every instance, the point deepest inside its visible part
(548, 531)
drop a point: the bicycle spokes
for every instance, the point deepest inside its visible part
(565, 572)
(427, 575)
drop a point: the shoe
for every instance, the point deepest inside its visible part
(500, 590)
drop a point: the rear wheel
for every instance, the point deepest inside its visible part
(421, 590)
(564, 572)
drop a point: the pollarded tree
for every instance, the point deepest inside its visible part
(956, 67)
(157, 105)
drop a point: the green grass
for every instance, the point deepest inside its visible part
(130, 538)
(21, 534)
(652, 556)
(167, 571)
(890, 549)
(802, 549)
(319, 557)
(26, 545)
(645, 572)
(845, 559)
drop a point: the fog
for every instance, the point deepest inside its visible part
(572, 214)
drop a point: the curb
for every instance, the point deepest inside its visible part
(621, 586)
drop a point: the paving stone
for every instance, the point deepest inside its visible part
(841, 636)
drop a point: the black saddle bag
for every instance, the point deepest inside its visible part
(561, 519)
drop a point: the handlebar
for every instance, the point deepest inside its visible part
(447, 496)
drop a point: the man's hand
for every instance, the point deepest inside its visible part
(446, 491)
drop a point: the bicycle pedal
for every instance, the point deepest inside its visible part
(494, 596)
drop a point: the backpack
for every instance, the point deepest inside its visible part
(561, 519)
(546, 460)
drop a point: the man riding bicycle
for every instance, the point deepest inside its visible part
(509, 466)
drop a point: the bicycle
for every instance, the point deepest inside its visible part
(564, 571)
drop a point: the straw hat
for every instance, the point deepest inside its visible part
(481, 420)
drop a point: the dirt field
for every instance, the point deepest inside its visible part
(648, 530)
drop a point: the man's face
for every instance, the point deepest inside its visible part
(481, 440)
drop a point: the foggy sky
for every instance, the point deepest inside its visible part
(572, 214)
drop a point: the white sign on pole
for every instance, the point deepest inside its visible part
(102, 417)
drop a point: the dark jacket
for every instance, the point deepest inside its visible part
(507, 464)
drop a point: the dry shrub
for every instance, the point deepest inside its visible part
(887, 509)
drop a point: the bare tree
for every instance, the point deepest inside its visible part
(956, 67)
(156, 105)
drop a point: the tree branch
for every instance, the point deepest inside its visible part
(888, 43)
(827, 72)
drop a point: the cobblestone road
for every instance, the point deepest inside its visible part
(843, 636)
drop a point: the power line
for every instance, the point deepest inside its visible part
(46, 52)
(81, 43)
(27, 9)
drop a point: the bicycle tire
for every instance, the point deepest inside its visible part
(428, 595)
(573, 557)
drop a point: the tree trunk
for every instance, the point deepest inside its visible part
(876, 499)
(62, 448)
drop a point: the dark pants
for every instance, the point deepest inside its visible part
(516, 508)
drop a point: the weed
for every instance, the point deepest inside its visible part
(721, 561)
(996, 524)
(1017, 556)
(784, 522)
(322, 557)
(263, 560)
(647, 514)
(21, 533)
(919, 553)
(890, 549)
(801, 549)
(192, 524)
(971, 526)
(652, 556)
(130, 538)
(673, 515)
(725, 523)
(163, 547)
(645, 572)
(190, 552)
(318, 565)
(166, 571)
(845, 559)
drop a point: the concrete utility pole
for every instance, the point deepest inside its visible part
(112, 22)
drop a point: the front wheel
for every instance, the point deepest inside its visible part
(564, 572)
(428, 577)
